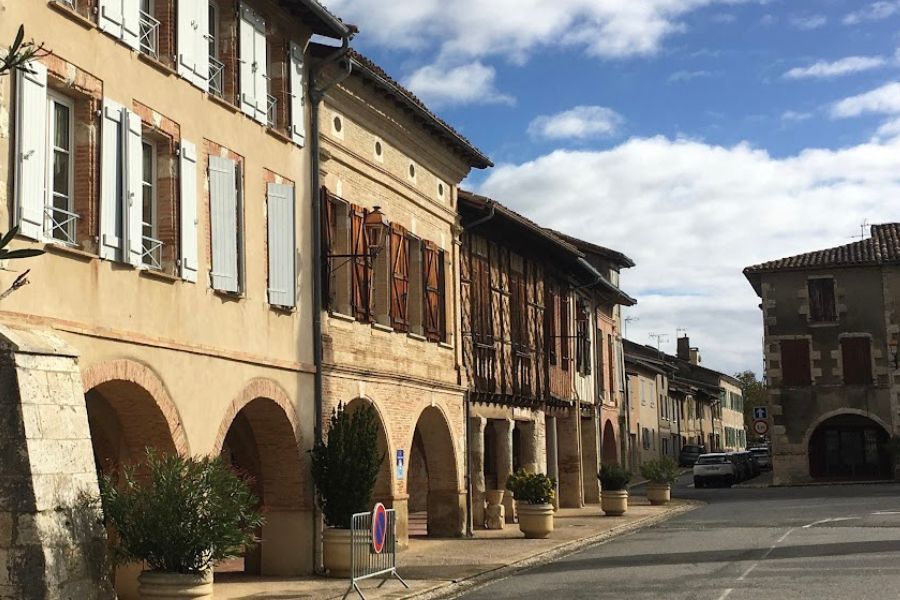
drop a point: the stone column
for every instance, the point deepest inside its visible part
(52, 542)
(552, 454)
(590, 459)
(476, 468)
(503, 429)
(571, 491)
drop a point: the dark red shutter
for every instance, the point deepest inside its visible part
(552, 312)
(361, 269)
(432, 286)
(329, 227)
(565, 336)
(399, 278)
(856, 357)
(795, 365)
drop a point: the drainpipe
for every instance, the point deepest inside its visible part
(316, 95)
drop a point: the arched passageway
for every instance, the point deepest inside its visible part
(610, 452)
(849, 446)
(433, 483)
(384, 488)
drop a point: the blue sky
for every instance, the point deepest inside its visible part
(698, 136)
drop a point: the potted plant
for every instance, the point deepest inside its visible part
(345, 466)
(533, 493)
(178, 517)
(614, 489)
(660, 475)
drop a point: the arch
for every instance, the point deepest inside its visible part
(113, 376)
(842, 411)
(433, 479)
(849, 445)
(610, 453)
(385, 483)
(257, 388)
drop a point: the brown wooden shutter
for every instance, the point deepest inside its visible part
(399, 278)
(565, 336)
(552, 312)
(856, 358)
(329, 228)
(821, 300)
(361, 297)
(432, 291)
(795, 365)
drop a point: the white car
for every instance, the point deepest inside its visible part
(712, 469)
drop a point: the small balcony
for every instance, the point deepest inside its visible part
(149, 35)
(61, 224)
(271, 110)
(216, 77)
(152, 252)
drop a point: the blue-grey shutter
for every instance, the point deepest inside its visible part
(112, 183)
(31, 150)
(282, 245)
(223, 223)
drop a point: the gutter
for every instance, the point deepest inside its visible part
(316, 95)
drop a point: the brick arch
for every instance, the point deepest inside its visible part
(258, 388)
(385, 484)
(437, 435)
(142, 376)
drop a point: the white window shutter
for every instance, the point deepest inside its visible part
(131, 22)
(187, 38)
(110, 18)
(282, 245)
(134, 242)
(201, 46)
(262, 73)
(247, 61)
(112, 182)
(298, 118)
(31, 138)
(188, 181)
(223, 223)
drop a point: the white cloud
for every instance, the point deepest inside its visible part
(693, 214)
(809, 22)
(875, 11)
(678, 76)
(889, 129)
(884, 100)
(845, 66)
(472, 83)
(580, 123)
(795, 116)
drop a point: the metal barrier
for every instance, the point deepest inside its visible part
(365, 561)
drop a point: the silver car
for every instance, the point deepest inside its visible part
(713, 469)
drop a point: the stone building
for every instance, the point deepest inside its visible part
(831, 328)
(529, 304)
(647, 386)
(391, 331)
(164, 168)
(734, 433)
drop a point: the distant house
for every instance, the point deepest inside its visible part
(831, 331)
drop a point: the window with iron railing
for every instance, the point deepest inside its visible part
(151, 247)
(271, 110)
(148, 37)
(60, 216)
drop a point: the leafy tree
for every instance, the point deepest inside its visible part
(754, 392)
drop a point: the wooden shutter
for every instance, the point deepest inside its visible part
(188, 184)
(431, 277)
(261, 56)
(131, 23)
(795, 363)
(193, 46)
(329, 226)
(134, 214)
(110, 18)
(31, 139)
(565, 312)
(856, 358)
(360, 297)
(298, 118)
(223, 223)
(821, 300)
(282, 245)
(552, 315)
(399, 278)
(112, 182)
(249, 30)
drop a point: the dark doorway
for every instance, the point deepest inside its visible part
(849, 447)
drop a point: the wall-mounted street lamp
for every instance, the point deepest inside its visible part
(375, 228)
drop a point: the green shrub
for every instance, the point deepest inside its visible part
(613, 478)
(663, 470)
(531, 488)
(345, 465)
(177, 514)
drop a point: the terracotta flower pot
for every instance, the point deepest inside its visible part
(154, 585)
(659, 493)
(535, 520)
(336, 552)
(614, 502)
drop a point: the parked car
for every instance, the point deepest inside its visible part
(763, 457)
(754, 464)
(689, 454)
(712, 469)
(743, 470)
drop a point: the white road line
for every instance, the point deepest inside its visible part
(750, 569)
(726, 593)
(832, 520)
(887, 512)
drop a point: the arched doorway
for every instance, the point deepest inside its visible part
(610, 452)
(261, 442)
(849, 446)
(384, 489)
(433, 483)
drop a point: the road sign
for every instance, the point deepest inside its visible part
(761, 427)
(379, 527)
(761, 413)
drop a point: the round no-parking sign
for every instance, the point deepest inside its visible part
(379, 527)
(761, 427)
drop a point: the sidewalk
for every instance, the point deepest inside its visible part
(442, 568)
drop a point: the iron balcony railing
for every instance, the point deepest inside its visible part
(216, 77)
(272, 109)
(152, 252)
(149, 35)
(62, 224)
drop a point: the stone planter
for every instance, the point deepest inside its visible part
(154, 585)
(494, 497)
(336, 552)
(614, 502)
(495, 513)
(659, 493)
(535, 520)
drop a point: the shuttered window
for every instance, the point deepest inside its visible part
(821, 300)
(565, 312)
(121, 19)
(582, 339)
(194, 40)
(253, 65)
(856, 358)
(329, 227)
(224, 224)
(399, 278)
(298, 118)
(795, 363)
(188, 213)
(552, 328)
(282, 245)
(433, 279)
(31, 161)
(482, 328)
(361, 276)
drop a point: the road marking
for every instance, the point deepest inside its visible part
(832, 520)
(887, 512)
(726, 593)
(750, 569)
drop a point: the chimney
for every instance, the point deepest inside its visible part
(695, 356)
(684, 348)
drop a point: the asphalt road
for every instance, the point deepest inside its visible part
(840, 542)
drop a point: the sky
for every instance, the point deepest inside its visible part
(696, 136)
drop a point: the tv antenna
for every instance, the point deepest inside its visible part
(680, 331)
(862, 229)
(625, 323)
(661, 338)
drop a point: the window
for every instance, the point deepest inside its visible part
(415, 302)
(216, 75)
(856, 357)
(795, 363)
(552, 312)
(565, 335)
(254, 100)
(282, 246)
(149, 29)
(433, 280)
(582, 338)
(225, 224)
(822, 307)
(151, 245)
(61, 218)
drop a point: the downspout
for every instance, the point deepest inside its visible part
(316, 95)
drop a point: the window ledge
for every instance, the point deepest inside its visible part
(232, 296)
(154, 274)
(382, 327)
(71, 13)
(445, 345)
(72, 251)
(343, 317)
(224, 103)
(416, 336)
(279, 135)
(157, 64)
(283, 310)
(823, 324)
